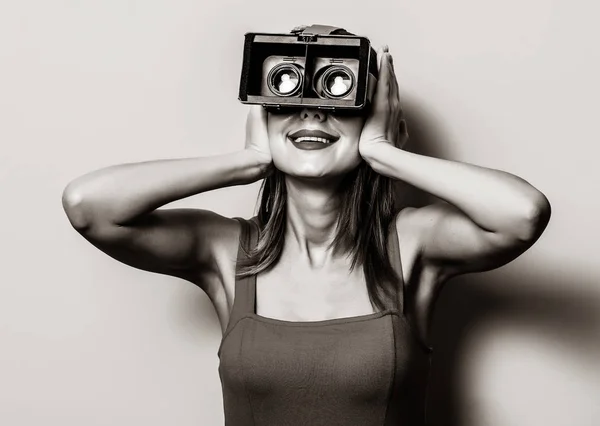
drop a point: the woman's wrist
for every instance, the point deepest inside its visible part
(256, 165)
(376, 155)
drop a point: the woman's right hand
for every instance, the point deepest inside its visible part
(257, 137)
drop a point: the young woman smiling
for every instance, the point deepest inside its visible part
(325, 297)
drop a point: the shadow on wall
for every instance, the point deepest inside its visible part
(537, 301)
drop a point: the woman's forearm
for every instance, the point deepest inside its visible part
(121, 193)
(495, 200)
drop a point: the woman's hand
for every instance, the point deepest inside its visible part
(257, 137)
(385, 123)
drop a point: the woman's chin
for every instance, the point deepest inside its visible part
(309, 174)
(315, 174)
(317, 169)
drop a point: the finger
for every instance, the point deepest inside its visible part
(380, 54)
(381, 96)
(401, 125)
(389, 111)
(255, 111)
(397, 111)
(392, 79)
(392, 87)
(394, 90)
(379, 58)
(257, 120)
(394, 99)
(396, 86)
(258, 110)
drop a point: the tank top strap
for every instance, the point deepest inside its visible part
(396, 262)
(243, 302)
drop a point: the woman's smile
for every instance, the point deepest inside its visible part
(308, 139)
(310, 144)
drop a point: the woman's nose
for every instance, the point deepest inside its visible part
(313, 113)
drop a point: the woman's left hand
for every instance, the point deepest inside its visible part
(385, 123)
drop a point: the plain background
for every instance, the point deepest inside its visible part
(85, 340)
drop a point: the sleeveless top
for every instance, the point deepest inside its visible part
(366, 370)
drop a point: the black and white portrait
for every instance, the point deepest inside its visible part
(299, 214)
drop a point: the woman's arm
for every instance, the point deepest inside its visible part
(115, 209)
(493, 216)
(121, 194)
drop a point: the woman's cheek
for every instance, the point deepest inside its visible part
(279, 153)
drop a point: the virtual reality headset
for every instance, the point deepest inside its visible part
(318, 66)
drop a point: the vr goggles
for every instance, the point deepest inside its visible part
(318, 67)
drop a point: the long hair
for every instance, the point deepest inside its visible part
(366, 210)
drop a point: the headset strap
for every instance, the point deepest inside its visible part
(316, 29)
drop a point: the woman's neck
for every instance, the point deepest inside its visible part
(311, 223)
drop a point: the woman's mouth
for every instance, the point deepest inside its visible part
(312, 139)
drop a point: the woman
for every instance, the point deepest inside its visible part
(325, 297)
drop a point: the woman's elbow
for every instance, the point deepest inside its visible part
(72, 203)
(535, 219)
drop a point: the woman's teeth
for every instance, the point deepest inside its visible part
(311, 139)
